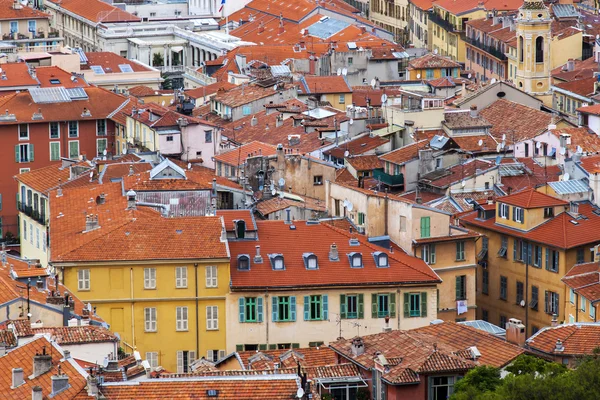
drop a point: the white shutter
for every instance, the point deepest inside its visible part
(210, 355)
(215, 317)
(184, 277)
(178, 318)
(178, 277)
(211, 276)
(147, 319)
(208, 317)
(150, 319)
(221, 354)
(153, 313)
(180, 362)
(191, 359)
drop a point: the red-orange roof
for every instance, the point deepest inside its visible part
(239, 155)
(431, 60)
(463, 7)
(578, 339)
(307, 357)
(404, 154)
(96, 11)
(582, 87)
(237, 215)
(324, 85)
(531, 198)
(17, 74)
(364, 163)
(208, 90)
(357, 146)
(584, 279)
(52, 76)
(110, 62)
(9, 12)
(594, 110)
(520, 121)
(69, 335)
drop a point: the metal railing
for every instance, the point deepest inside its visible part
(387, 179)
(493, 51)
(439, 20)
(31, 212)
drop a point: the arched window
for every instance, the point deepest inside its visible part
(310, 260)
(355, 260)
(539, 49)
(240, 229)
(521, 48)
(244, 262)
(277, 261)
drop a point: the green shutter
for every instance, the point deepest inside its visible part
(423, 304)
(406, 305)
(325, 307)
(392, 305)
(546, 301)
(262, 346)
(31, 152)
(272, 347)
(259, 309)
(458, 287)
(17, 158)
(306, 308)
(547, 258)
(274, 309)
(361, 306)
(432, 258)
(239, 347)
(292, 308)
(342, 306)
(373, 305)
(295, 345)
(242, 309)
(515, 250)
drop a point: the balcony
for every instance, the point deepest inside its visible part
(447, 25)
(199, 77)
(30, 212)
(387, 179)
(493, 51)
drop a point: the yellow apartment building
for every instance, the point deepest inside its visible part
(583, 288)
(533, 240)
(160, 283)
(334, 89)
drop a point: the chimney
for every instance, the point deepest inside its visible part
(60, 382)
(515, 332)
(92, 386)
(261, 27)
(131, 195)
(253, 121)
(288, 219)
(17, 377)
(36, 393)
(281, 27)
(570, 65)
(258, 258)
(66, 315)
(66, 354)
(101, 198)
(463, 90)
(559, 348)
(91, 222)
(131, 171)
(42, 363)
(358, 346)
(333, 253)
(279, 121)
(2, 349)
(554, 320)
(473, 111)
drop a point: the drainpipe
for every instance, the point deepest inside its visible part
(386, 212)
(576, 307)
(265, 311)
(132, 306)
(197, 326)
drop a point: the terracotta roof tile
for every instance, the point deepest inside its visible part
(24, 12)
(268, 206)
(110, 62)
(531, 198)
(307, 357)
(239, 155)
(584, 279)
(405, 154)
(47, 178)
(463, 119)
(17, 74)
(8, 338)
(69, 335)
(364, 163)
(47, 76)
(141, 91)
(594, 109)
(524, 122)
(324, 84)
(431, 60)
(236, 215)
(444, 82)
(240, 95)
(463, 7)
(577, 339)
(208, 90)
(580, 137)
(96, 11)
(457, 173)
(357, 146)
(582, 87)
(118, 170)
(535, 175)
(424, 5)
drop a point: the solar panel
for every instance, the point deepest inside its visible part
(49, 95)
(280, 70)
(97, 69)
(125, 68)
(77, 94)
(327, 28)
(82, 57)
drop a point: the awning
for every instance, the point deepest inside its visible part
(342, 382)
(177, 49)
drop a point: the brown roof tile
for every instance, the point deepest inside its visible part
(520, 121)
(582, 87)
(577, 339)
(531, 198)
(110, 62)
(96, 11)
(431, 60)
(69, 335)
(324, 85)
(357, 146)
(239, 155)
(364, 163)
(405, 154)
(584, 279)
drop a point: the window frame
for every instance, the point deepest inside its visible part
(315, 307)
(353, 257)
(181, 280)
(19, 131)
(503, 287)
(150, 319)
(83, 275)
(211, 275)
(181, 319)
(460, 252)
(149, 280)
(212, 323)
(69, 130)
(243, 258)
(50, 147)
(57, 124)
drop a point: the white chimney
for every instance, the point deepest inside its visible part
(258, 258)
(36, 393)
(333, 253)
(17, 377)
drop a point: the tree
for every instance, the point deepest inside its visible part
(525, 364)
(157, 60)
(477, 382)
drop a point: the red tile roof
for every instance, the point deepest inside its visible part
(444, 82)
(198, 178)
(431, 60)
(45, 74)
(584, 279)
(534, 175)
(594, 109)
(324, 85)
(422, 4)
(531, 198)
(277, 203)
(110, 62)
(120, 169)
(591, 164)
(578, 339)
(582, 87)
(580, 137)
(521, 122)
(9, 12)
(357, 146)
(209, 90)
(236, 215)
(239, 155)
(405, 154)
(96, 11)
(442, 179)
(364, 163)
(47, 178)
(141, 91)
(275, 237)
(307, 357)
(245, 94)
(582, 69)
(17, 74)
(8, 338)
(466, 6)
(69, 335)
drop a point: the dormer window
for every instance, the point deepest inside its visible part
(310, 261)
(240, 229)
(277, 262)
(518, 214)
(381, 259)
(503, 210)
(355, 260)
(244, 262)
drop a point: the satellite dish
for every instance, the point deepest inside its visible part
(469, 76)
(104, 152)
(345, 203)
(579, 150)
(344, 71)
(493, 80)
(24, 3)
(418, 76)
(383, 98)
(538, 145)
(503, 137)
(373, 83)
(563, 151)
(566, 177)
(339, 71)
(300, 393)
(163, 103)
(350, 206)
(463, 183)
(124, 150)
(273, 192)
(351, 121)
(498, 148)
(73, 78)
(189, 165)
(172, 101)
(281, 182)
(346, 153)
(480, 143)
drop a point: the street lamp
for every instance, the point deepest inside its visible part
(28, 302)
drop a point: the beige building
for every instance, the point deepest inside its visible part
(28, 29)
(113, 72)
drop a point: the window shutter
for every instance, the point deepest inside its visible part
(221, 354)
(361, 306)
(242, 309)
(239, 347)
(547, 258)
(423, 254)
(342, 306)
(458, 289)
(17, 158)
(178, 318)
(406, 305)
(522, 215)
(273, 347)
(210, 355)
(432, 255)
(392, 305)
(191, 359)
(373, 305)
(208, 276)
(545, 301)
(31, 152)
(259, 309)
(423, 304)
(306, 308)
(180, 362)
(292, 308)
(556, 261)
(556, 303)
(274, 309)
(185, 318)
(262, 346)
(325, 306)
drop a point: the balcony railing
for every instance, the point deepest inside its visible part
(493, 51)
(199, 77)
(447, 25)
(387, 179)
(32, 213)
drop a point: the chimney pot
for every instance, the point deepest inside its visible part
(358, 346)
(36, 393)
(333, 253)
(42, 363)
(17, 377)
(258, 258)
(131, 198)
(473, 111)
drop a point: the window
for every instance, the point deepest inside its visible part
(520, 47)
(100, 146)
(342, 98)
(246, 110)
(30, 233)
(429, 73)
(54, 130)
(582, 303)
(24, 153)
(212, 318)
(593, 312)
(350, 60)
(485, 281)
(355, 260)
(283, 308)
(83, 275)
(441, 387)
(415, 305)
(503, 247)
(150, 319)
(381, 259)
(351, 306)
(571, 295)
(277, 262)
(54, 151)
(537, 256)
(461, 287)
(520, 295)
(425, 227)
(460, 250)
(208, 136)
(23, 131)
(169, 138)
(250, 309)
(580, 256)
(243, 262)
(240, 229)
(211, 276)
(551, 302)
(101, 127)
(361, 218)
(184, 361)
(73, 129)
(503, 287)
(31, 25)
(503, 210)
(438, 163)
(428, 253)
(73, 149)
(533, 304)
(318, 180)
(402, 223)
(539, 49)
(149, 278)
(316, 308)
(310, 261)
(181, 316)
(181, 277)
(215, 355)
(552, 260)
(152, 358)
(548, 211)
(14, 26)
(503, 320)
(518, 215)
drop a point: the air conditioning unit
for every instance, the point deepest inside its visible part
(360, 229)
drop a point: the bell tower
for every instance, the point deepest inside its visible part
(533, 49)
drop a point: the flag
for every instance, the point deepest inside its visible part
(222, 5)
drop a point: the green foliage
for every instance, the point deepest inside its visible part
(363, 394)
(167, 83)
(525, 364)
(157, 60)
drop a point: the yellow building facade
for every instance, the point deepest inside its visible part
(446, 30)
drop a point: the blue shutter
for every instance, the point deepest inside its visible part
(17, 158)
(274, 309)
(292, 308)
(242, 303)
(31, 152)
(547, 258)
(259, 309)
(325, 307)
(306, 308)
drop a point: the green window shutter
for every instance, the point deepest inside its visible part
(259, 309)
(406, 305)
(342, 306)
(325, 306)
(306, 308)
(292, 308)
(523, 216)
(239, 347)
(295, 345)
(373, 305)
(242, 304)
(262, 346)
(423, 304)
(274, 309)
(17, 158)
(31, 152)
(272, 347)
(392, 305)
(515, 250)
(361, 306)
(458, 286)
(547, 258)
(432, 251)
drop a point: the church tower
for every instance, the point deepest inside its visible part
(533, 49)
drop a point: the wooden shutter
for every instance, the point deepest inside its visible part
(210, 355)
(342, 306)
(239, 347)
(274, 309)
(406, 305)
(546, 309)
(325, 307)
(423, 304)
(178, 318)
(432, 254)
(361, 306)
(242, 309)
(259, 309)
(221, 354)
(547, 258)
(306, 308)
(458, 288)
(18, 157)
(392, 297)
(292, 308)
(272, 347)
(374, 305)
(31, 152)
(180, 362)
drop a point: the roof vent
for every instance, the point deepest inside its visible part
(358, 346)
(559, 346)
(354, 242)
(258, 258)
(86, 112)
(212, 393)
(37, 115)
(333, 253)
(131, 196)
(17, 377)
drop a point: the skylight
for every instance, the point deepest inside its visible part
(125, 68)
(97, 69)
